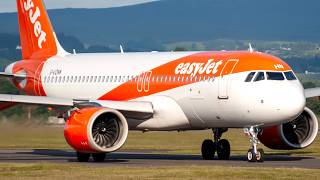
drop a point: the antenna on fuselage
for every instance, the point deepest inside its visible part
(121, 49)
(251, 50)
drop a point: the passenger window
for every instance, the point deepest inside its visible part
(290, 76)
(250, 77)
(276, 76)
(259, 77)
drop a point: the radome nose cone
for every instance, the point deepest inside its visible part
(293, 104)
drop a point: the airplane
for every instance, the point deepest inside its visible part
(108, 94)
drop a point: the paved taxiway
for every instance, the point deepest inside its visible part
(148, 158)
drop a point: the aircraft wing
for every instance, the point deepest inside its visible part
(131, 109)
(9, 75)
(312, 92)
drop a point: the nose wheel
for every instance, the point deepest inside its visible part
(254, 154)
(219, 146)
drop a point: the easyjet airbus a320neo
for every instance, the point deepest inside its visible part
(109, 94)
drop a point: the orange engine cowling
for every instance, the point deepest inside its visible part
(96, 129)
(296, 134)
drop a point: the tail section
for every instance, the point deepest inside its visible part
(38, 40)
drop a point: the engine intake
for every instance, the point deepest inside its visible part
(96, 129)
(296, 134)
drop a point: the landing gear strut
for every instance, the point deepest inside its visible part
(221, 146)
(254, 154)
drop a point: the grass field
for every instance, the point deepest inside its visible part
(53, 171)
(44, 137)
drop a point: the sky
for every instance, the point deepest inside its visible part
(10, 5)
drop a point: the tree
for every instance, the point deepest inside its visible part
(180, 49)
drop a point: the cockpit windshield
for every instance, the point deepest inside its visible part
(272, 76)
(250, 76)
(276, 76)
(259, 77)
(290, 76)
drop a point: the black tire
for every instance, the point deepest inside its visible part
(223, 149)
(260, 155)
(251, 156)
(83, 157)
(99, 157)
(208, 149)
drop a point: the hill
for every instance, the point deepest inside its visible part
(187, 20)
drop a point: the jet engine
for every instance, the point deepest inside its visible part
(296, 134)
(96, 129)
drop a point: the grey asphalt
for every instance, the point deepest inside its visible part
(149, 158)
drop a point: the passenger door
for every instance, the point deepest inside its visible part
(224, 78)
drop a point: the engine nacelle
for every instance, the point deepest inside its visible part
(297, 134)
(96, 129)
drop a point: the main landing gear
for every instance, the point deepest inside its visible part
(221, 146)
(97, 157)
(254, 154)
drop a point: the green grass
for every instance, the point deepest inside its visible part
(55, 171)
(44, 137)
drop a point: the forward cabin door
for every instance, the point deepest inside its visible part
(224, 78)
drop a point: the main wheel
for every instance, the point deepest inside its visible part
(83, 157)
(260, 155)
(252, 157)
(223, 149)
(208, 149)
(99, 157)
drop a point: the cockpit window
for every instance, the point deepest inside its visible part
(250, 76)
(290, 76)
(277, 76)
(259, 77)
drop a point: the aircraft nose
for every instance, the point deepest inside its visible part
(292, 102)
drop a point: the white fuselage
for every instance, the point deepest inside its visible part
(226, 101)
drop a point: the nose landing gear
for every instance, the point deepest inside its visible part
(221, 146)
(254, 154)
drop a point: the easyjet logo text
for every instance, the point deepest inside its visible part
(34, 14)
(193, 69)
